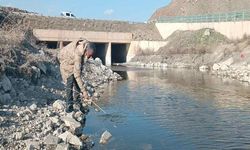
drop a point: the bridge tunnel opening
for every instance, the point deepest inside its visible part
(119, 53)
(49, 44)
(100, 51)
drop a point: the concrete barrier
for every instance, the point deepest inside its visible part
(93, 36)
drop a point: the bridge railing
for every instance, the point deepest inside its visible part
(220, 17)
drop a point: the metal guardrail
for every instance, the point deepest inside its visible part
(220, 17)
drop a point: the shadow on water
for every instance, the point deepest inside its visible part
(173, 109)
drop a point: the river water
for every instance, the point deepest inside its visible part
(172, 109)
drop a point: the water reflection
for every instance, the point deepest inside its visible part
(174, 109)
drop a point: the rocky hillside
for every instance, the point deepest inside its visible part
(197, 7)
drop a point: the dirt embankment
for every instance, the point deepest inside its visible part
(140, 31)
(202, 49)
(187, 47)
(199, 7)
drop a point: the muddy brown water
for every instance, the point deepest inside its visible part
(172, 109)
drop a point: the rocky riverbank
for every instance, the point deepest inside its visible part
(204, 50)
(33, 124)
(239, 72)
(32, 107)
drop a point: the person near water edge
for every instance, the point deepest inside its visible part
(72, 59)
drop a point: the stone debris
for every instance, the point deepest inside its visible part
(32, 95)
(49, 125)
(70, 138)
(96, 74)
(207, 33)
(19, 135)
(51, 140)
(106, 136)
(33, 107)
(80, 117)
(59, 105)
(55, 120)
(74, 125)
(62, 147)
(58, 131)
(6, 84)
(204, 68)
(216, 67)
(32, 145)
(6, 89)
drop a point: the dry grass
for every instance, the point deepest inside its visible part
(192, 42)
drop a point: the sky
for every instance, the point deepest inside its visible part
(127, 10)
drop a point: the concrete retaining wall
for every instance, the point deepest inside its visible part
(143, 46)
(232, 30)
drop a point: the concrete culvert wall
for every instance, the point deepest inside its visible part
(119, 53)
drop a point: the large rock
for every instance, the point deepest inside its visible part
(95, 72)
(106, 136)
(51, 140)
(207, 32)
(58, 131)
(98, 61)
(72, 124)
(33, 107)
(70, 138)
(55, 120)
(59, 105)
(2, 66)
(228, 62)
(216, 67)
(203, 68)
(5, 83)
(5, 99)
(224, 67)
(79, 116)
(62, 147)
(32, 145)
(42, 67)
(36, 74)
(19, 135)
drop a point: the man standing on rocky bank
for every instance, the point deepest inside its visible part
(72, 58)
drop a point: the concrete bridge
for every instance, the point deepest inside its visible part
(111, 47)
